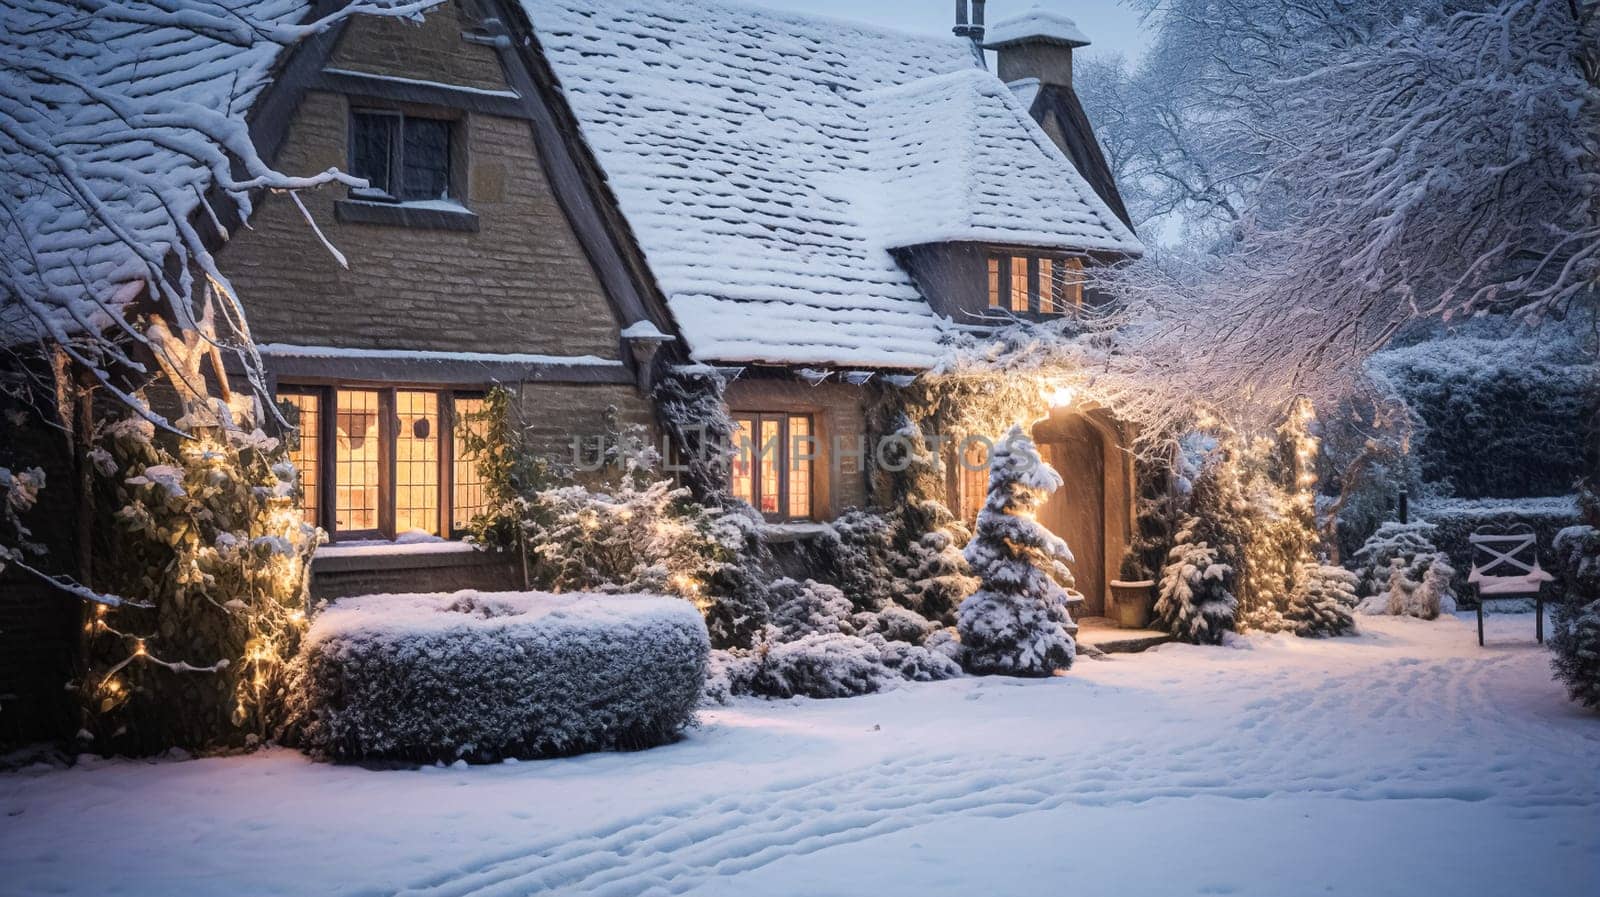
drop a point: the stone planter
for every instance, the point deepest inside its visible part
(1133, 602)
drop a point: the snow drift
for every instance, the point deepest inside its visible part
(484, 676)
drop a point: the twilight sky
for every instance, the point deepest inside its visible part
(1109, 25)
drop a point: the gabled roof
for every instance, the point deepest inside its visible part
(958, 158)
(80, 262)
(749, 149)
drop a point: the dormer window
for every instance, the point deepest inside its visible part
(1038, 284)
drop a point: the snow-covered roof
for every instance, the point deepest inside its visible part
(1035, 24)
(958, 158)
(750, 148)
(80, 262)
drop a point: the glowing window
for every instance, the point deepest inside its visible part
(305, 446)
(742, 478)
(1019, 283)
(416, 463)
(356, 453)
(772, 464)
(994, 282)
(974, 477)
(1069, 289)
(1047, 287)
(466, 479)
(801, 448)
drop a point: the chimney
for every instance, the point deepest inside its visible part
(1036, 44)
(972, 30)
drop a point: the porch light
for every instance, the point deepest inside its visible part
(1062, 396)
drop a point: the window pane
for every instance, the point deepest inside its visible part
(304, 455)
(800, 444)
(770, 448)
(427, 159)
(468, 501)
(416, 463)
(742, 477)
(1047, 287)
(974, 478)
(372, 148)
(1019, 283)
(1071, 292)
(356, 460)
(994, 283)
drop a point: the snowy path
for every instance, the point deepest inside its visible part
(1405, 761)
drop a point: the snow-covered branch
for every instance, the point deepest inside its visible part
(121, 123)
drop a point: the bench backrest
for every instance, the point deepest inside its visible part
(1504, 554)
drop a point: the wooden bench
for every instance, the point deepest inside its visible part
(1506, 565)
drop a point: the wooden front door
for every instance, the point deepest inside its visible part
(1076, 512)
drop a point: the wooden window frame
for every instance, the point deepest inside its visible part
(453, 164)
(785, 443)
(327, 397)
(1000, 281)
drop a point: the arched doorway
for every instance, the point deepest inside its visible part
(1089, 510)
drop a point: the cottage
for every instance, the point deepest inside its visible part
(561, 189)
(570, 198)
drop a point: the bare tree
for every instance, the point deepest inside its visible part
(1382, 163)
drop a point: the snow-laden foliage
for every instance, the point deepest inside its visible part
(1323, 602)
(208, 535)
(1015, 623)
(818, 665)
(859, 551)
(125, 142)
(1346, 168)
(928, 538)
(1195, 602)
(1575, 629)
(19, 491)
(814, 646)
(1498, 418)
(689, 405)
(485, 676)
(802, 608)
(1403, 573)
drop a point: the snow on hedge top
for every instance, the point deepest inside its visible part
(399, 617)
(80, 262)
(1037, 22)
(743, 147)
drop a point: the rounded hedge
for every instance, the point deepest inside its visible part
(486, 676)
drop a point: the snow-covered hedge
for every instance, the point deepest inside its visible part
(483, 676)
(1575, 633)
(1497, 418)
(1454, 520)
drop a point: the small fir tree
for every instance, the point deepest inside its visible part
(1196, 603)
(1015, 624)
(1404, 574)
(1323, 601)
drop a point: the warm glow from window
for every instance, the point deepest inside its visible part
(416, 463)
(1069, 294)
(1019, 283)
(304, 455)
(1047, 286)
(467, 480)
(974, 478)
(994, 282)
(772, 466)
(356, 460)
(769, 449)
(742, 477)
(801, 448)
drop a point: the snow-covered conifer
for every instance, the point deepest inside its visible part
(1015, 624)
(1196, 603)
(1323, 601)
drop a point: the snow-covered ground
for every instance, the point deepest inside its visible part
(1405, 761)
